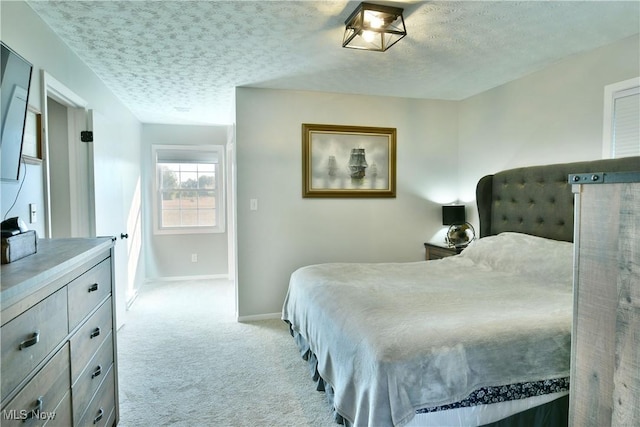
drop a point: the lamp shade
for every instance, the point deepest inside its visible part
(453, 215)
(374, 27)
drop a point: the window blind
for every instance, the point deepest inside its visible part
(186, 156)
(626, 123)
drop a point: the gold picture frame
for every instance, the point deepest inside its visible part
(348, 161)
(32, 141)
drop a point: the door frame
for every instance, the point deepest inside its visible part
(82, 218)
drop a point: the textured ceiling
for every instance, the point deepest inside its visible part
(179, 61)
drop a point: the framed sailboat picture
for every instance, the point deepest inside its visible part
(348, 161)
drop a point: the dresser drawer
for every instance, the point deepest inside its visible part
(86, 341)
(86, 291)
(63, 413)
(434, 251)
(90, 379)
(42, 400)
(102, 407)
(28, 338)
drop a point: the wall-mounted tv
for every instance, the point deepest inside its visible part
(15, 78)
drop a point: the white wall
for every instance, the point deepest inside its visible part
(17, 195)
(24, 31)
(169, 255)
(552, 116)
(288, 231)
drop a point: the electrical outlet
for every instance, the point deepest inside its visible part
(194, 257)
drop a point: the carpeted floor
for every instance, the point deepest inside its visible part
(185, 361)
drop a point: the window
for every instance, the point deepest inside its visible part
(189, 189)
(621, 128)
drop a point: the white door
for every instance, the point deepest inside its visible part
(107, 173)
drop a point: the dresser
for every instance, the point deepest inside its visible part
(605, 359)
(59, 356)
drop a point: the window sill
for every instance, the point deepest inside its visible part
(189, 230)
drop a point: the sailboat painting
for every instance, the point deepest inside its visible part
(332, 166)
(357, 163)
(373, 170)
(348, 161)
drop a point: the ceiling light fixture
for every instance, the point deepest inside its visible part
(374, 27)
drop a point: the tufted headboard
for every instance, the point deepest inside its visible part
(537, 200)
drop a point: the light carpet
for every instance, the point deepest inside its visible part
(185, 361)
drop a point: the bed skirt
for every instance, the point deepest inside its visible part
(541, 403)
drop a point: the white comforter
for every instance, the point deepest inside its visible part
(394, 337)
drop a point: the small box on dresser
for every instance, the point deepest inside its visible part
(19, 246)
(59, 364)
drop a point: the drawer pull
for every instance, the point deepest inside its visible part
(93, 287)
(95, 333)
(99, 416)
(96, 372)
(35, 411)
(35, 337)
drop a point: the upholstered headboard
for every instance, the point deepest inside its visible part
(537, 200)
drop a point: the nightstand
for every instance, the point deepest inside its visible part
(436, 251)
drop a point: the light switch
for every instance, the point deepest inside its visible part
(32, 213)
(253, 204)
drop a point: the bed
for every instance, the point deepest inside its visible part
(481, 338)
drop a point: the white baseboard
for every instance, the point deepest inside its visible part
(255, 317)
(183, 278)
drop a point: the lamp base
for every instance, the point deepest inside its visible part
(460, 235)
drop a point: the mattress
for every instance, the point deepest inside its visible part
(393, 338)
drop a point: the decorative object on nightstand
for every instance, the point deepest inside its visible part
(436, 251)
(460, 232)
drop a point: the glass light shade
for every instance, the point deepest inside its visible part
(374, 27)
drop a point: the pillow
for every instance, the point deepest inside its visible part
(545, 259)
